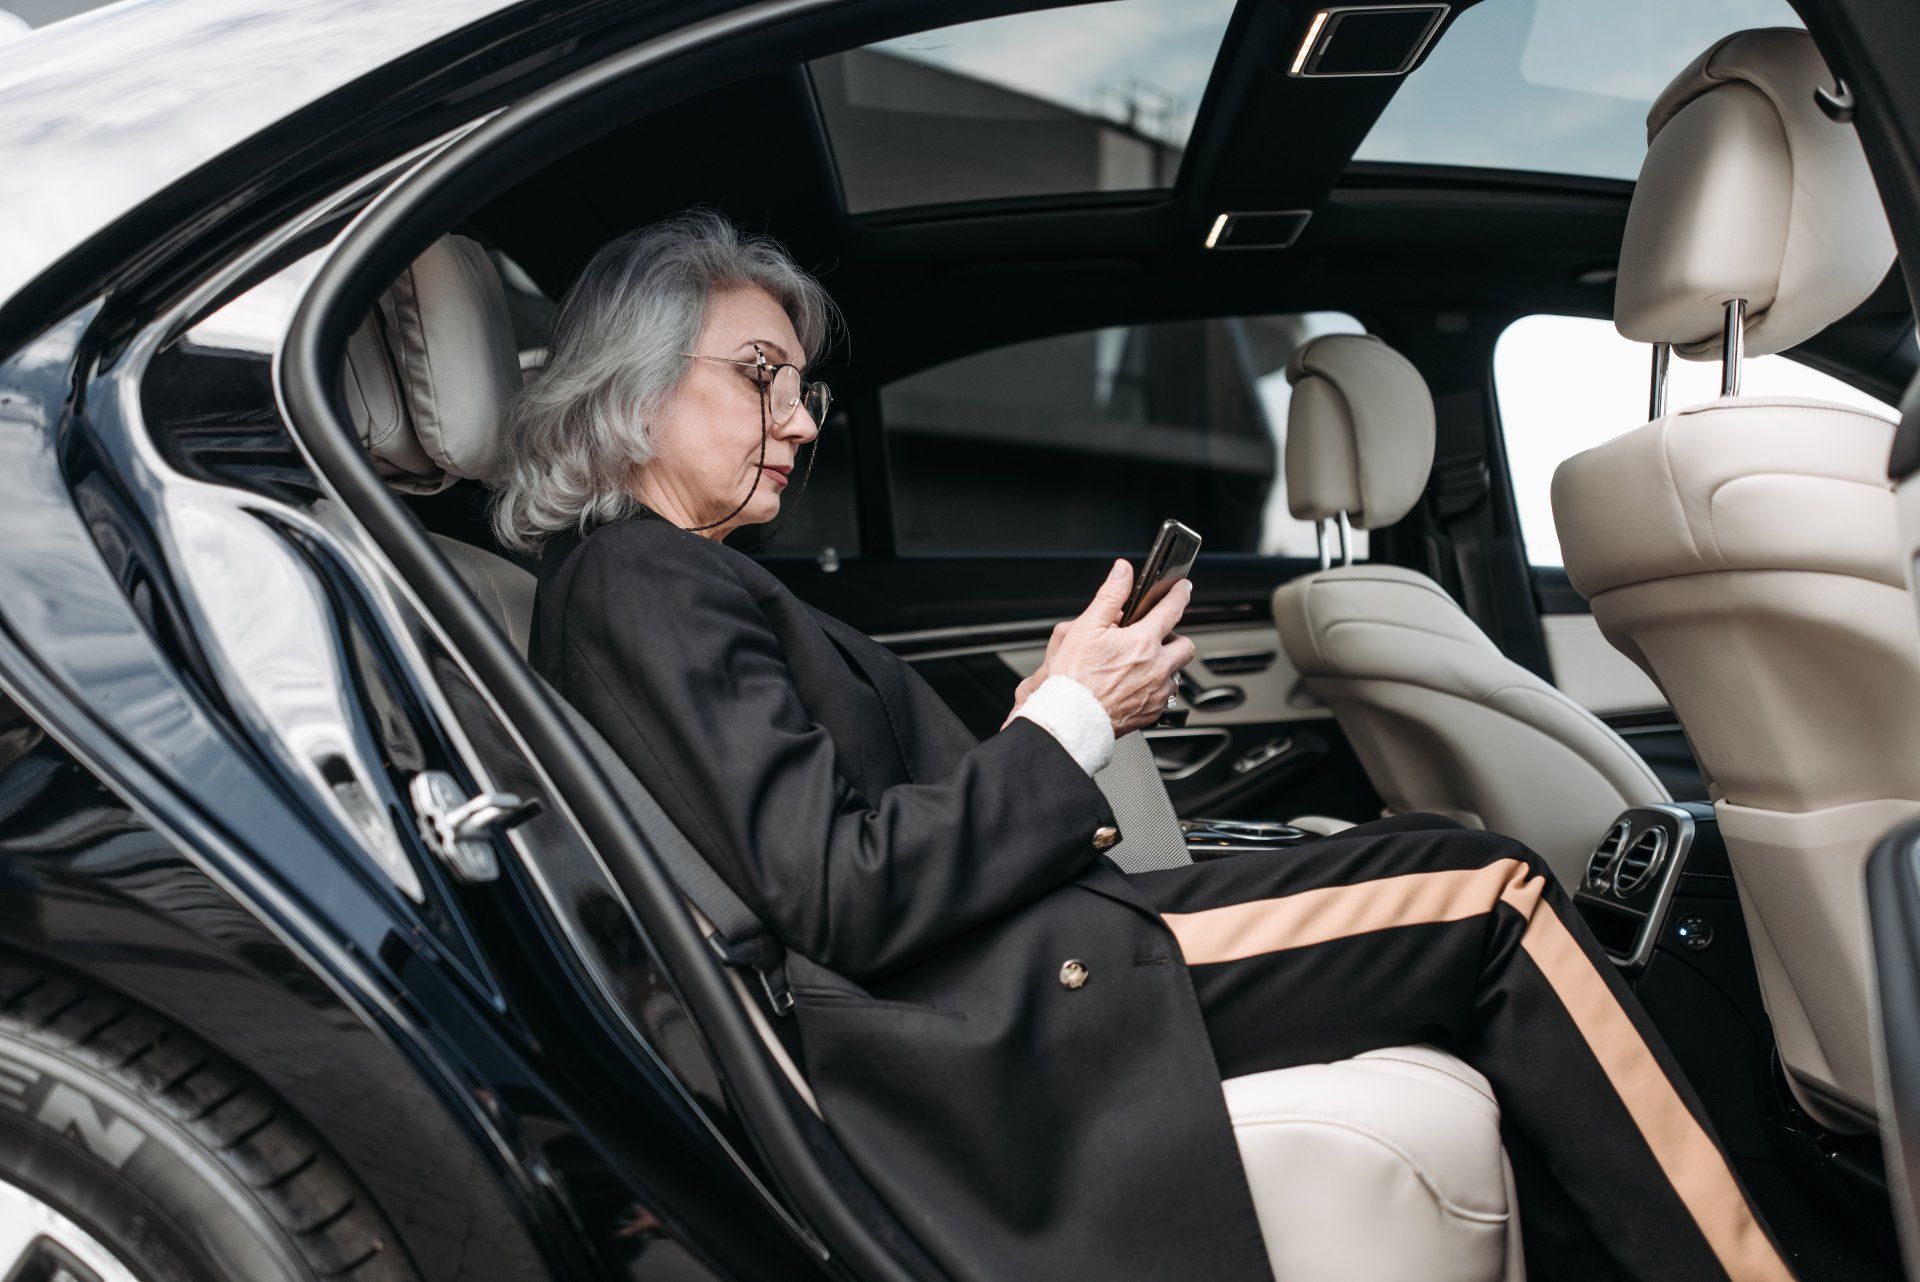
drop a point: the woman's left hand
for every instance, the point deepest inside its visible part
(1040, 674)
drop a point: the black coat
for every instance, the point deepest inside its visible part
(931, 887)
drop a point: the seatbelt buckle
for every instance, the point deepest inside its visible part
(779, 994)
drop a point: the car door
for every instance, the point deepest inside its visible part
(1001, 484)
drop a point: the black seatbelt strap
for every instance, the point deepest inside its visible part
(737, 936)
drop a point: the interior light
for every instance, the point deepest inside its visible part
(1306, 46)
(1219, 225)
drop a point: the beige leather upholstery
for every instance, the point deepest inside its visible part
(1359, 431)
(1745, 553)
(430, 373)
(1405, 1175)
(1749, 191)
(1444, 722)
(1440, 719)
(1332, 1151)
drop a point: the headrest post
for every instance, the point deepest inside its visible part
(1320, 541)
(1657, 403)
(1346, 539)
(1730, 347)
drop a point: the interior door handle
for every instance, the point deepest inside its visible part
(1208, 698)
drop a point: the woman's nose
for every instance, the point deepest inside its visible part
(800, 428)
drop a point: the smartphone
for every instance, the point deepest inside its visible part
(1170, 561)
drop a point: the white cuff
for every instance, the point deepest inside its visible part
(1068, 711)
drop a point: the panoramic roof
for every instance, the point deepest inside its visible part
(1094, 98)
(1555, 86)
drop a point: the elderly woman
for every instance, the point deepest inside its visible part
(1020, 1047)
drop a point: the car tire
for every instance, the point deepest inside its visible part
(121, 1133)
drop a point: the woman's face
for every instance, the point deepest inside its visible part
(707, 443)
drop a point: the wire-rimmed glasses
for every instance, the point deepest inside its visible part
(781, 386)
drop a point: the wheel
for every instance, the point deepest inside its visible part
(131, 1152)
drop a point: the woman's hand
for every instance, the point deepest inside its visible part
(1129, 670)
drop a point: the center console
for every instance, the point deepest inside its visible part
(1626, 893)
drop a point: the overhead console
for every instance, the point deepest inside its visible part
(1627, 891)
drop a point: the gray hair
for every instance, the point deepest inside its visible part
(582, 424)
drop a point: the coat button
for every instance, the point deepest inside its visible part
(1073, 974)
(1105, 837)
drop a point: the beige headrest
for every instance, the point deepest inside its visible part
(1749, 191)
(1359, 431)
(430, 373)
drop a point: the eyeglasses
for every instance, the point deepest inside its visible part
(782, 387)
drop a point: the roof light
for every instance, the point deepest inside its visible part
(1306, 46)
(1219, 225)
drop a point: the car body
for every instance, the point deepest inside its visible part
(225, 648)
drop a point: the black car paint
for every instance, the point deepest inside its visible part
(470, 1079)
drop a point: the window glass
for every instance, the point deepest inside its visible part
(1097, 97)
(1560, 86)
(1086, 442)
(1567, 383)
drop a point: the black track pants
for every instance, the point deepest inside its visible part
(1414, 929)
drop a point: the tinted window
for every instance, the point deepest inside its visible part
(1086, 442)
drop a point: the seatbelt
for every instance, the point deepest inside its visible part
(738, 937)
(1150, 835)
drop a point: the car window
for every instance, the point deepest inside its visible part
(1087, 441)
(1567, 383)
(1094, 97)
(1556, 86)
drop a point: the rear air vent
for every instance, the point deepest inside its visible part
(1600, 865)
(1383, 40)
(1639, 861)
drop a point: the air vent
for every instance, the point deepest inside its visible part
(1639, 861)
(1600, 864)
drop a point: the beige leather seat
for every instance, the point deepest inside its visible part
(1442, 721)
(1384, 1167)
(1745, 552)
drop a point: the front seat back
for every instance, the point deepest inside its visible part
(1745, 552)
(1441, 720)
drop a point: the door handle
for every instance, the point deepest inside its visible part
(1207, 698)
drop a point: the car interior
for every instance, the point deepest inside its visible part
(1353, 356)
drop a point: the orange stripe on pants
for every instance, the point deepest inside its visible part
(1686, 1155)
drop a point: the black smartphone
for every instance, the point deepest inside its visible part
(1170, 561)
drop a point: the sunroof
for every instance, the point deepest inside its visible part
(1098, 97)
(1557, 86)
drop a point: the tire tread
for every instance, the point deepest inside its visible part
(273, 1154)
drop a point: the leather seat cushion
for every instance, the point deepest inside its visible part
(1386, 1166)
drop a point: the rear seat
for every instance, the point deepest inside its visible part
(1385, 1166)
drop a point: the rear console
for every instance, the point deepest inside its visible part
(1627, 891)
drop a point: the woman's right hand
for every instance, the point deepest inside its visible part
(1129, 670)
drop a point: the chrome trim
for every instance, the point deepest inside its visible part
(1662, 365)
(1624, 890)
(1200, 763)
(1733, 340)
(1314, 43)
(1598, 877)
(1678, 828)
